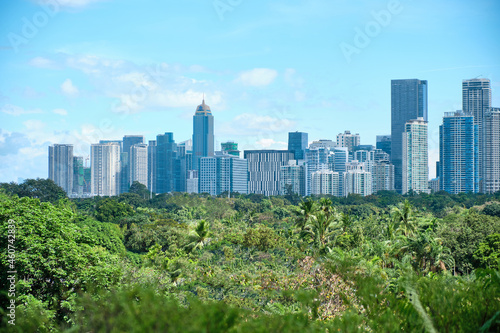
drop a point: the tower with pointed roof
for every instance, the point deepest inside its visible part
(203, 134)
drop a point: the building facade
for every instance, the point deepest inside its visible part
(105, 169)
(458, 153)
(127, 143)
(203, 134)
(348, 140)
(293, 178)
(415, 157)
(384, 143)
(297, 144)
(61, 166)
(223, 174)
(264, 170)
(325, 182)
(166, 154)
(476, 100)
(492, 151)
(138, 166)
(408, 102)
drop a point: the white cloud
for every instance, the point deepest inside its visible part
(257, 77)
(69, 89)
(271, 143)
(262, 123)
(61, 112)
(15, 110)
(43, 63)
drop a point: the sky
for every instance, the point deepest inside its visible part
(80, 71)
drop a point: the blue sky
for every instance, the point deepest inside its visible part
(77, 71)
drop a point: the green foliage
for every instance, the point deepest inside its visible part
(488, 252)
(43, 189)
(492, 209)
(53, 259)
(261, 237)
(140, 189)
(110, 210)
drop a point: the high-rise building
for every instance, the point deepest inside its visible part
(316, 159)
(492, 151)
(341, 158)
(105, 168)
(357, 181)
(192, 181)
(138, 165)
(203, 134)
(61, 166)
(384, 143)
(78, 176)
(223, 173)
(166, 154)
(458, 153)
(383, 176)
(297, 144)
(325, 182)
(476, 100)
(293, 178)
(128, 142)
(264, 168)
(408, 102)
(415, 157)
(323, 143)
(152, 166)
(231, 148)
(348, 140)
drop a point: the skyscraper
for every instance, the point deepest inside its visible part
(415, 157)
(78, 176)
(128, 142)
(382, 176)
(408, 102)
(105, 168)
(325, 182)
(384, 143)
(492, 151)
(476, 100)
(138, 164)
(264, 170)
(458, 153)
(61, 166)
(297, 144)
(223, 173)
(152, 166)
(166, 154)
(293, 178)
(203, 133)
(348, 140)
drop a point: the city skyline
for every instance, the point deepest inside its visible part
(73, 81)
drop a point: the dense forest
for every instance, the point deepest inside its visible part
(249, 263)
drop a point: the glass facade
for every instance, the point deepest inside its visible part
(297, 144)
(458, 153)
(408, 102)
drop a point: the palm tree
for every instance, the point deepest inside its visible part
(320, 229)
(306, 210)
(199, 236)
(404, 219)
(325, 205)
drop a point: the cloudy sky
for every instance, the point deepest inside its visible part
(78, 71)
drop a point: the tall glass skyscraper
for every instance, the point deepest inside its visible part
(61, 166)
(415, 157)
(476, 100)
(408, 102)
(492, 151)
(128, 142)
(458, 153)
(203, 134)
(297, 144)
(166, 154)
